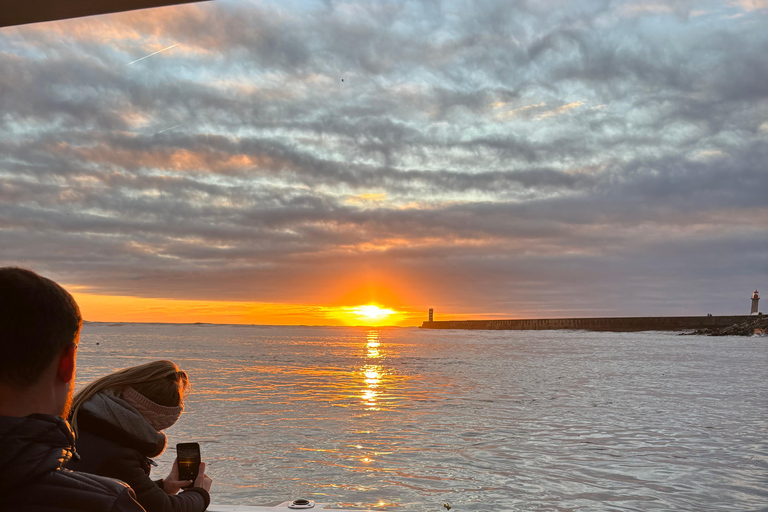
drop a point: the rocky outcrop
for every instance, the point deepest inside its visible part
(757, 326)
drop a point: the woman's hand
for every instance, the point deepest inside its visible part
(172, 484)
(202, 479)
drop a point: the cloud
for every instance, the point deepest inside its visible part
(504, 161)
(562, 109)
(364, 199)
(751, 5)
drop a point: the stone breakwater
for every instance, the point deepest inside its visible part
(616, 324)
(757, 325)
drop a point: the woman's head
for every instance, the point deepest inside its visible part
(160, 382)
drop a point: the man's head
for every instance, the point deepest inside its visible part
(39, 331)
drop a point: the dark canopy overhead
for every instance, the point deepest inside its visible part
(13, 12)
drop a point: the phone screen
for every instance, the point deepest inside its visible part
(189, 460)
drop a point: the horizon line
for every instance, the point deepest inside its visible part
(244, 325)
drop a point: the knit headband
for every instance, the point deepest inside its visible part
(159, 416)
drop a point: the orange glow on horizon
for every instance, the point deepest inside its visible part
(116, 308)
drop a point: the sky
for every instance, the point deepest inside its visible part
(289, 162)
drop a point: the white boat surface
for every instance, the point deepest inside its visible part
(282, 506)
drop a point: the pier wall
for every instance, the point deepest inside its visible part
(625, 324)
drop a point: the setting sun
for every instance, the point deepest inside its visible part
(371, 312)
(370, 315)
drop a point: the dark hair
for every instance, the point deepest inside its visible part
(38, 319)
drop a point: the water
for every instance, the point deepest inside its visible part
(409, 419)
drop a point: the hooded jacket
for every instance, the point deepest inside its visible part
(115, 440)
(33, 450)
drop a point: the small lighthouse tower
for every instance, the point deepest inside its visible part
(430, 314)
(755, 300)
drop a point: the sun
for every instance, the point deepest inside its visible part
(371, 312)
(370, 315)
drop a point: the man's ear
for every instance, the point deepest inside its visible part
(66, 369)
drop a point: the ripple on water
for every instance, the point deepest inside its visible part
(405, 419)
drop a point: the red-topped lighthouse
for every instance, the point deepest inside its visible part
(755, 299)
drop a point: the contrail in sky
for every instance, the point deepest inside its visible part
(151, 54)
(171, 128)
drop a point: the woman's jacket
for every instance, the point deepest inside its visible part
(114, 440)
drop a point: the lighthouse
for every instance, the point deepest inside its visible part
(755, 300)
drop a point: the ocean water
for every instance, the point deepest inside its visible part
(408, 419)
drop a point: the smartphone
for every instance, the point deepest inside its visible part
(189, 460)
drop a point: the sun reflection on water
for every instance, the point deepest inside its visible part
(373, 345)
(372, 373)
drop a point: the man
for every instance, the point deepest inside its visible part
(39, 332)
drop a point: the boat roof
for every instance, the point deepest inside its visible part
(13, 12)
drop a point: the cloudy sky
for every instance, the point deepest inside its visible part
(281, 160)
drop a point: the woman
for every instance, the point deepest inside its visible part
(118, 420)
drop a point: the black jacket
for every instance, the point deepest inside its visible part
(107, 450)
(33, 450)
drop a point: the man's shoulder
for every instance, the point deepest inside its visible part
(66, 490)
(88, 483)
